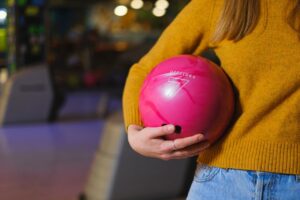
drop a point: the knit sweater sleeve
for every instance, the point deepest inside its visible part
(187, 34)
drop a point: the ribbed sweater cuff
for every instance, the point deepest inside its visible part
(132, 116)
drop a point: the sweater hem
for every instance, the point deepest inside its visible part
(255, 155)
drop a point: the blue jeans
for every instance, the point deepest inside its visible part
(211, 183)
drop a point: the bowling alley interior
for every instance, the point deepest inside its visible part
(63, 66)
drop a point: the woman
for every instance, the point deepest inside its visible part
(258, 44)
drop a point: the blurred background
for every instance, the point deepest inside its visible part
(63, 65)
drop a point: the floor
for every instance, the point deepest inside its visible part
(50, 161)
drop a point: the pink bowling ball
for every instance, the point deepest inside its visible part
(189, 92)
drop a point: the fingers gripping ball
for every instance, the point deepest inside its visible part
(190, 92)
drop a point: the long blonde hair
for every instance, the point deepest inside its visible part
(240, 17)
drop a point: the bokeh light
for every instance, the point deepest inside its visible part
(162, 4)
(121, 10)
(158, 12)
(3, 15)
(136, 4)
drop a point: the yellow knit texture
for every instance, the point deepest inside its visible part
(264, 68)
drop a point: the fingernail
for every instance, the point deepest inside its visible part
(206, 145)
(170, 127)
(200, 137)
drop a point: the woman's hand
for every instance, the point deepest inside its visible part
(149, 142)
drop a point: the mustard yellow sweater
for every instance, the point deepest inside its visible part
(265, 69)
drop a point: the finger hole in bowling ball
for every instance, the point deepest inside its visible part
(178, 129)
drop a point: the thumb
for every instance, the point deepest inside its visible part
(134, 128)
